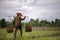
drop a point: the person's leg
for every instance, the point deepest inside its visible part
(20, 28)
(15, 31)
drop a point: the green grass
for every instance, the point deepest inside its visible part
(34, 35)
(43, 35)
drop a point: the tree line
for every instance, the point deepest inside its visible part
(43, 23)
(34, 23)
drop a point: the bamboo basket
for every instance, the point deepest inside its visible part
(28, 28)
(9, 29)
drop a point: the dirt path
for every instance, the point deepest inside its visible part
(46, 28)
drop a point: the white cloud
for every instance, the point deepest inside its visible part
(26, 7)
(31, 8)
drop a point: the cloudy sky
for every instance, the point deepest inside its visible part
(42, 9)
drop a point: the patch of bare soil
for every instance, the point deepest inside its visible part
(46, 28)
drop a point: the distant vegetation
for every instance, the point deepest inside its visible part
(37, 23)
(2, 23)
(34, 23)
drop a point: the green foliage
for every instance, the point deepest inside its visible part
(3, 35)
(57, 22)
(34, 35)
(37, 23)
(2, 23)
(34, 23)
(44, 23)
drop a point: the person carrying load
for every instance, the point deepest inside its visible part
(18, 24)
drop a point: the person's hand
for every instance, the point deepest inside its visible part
(24, 16)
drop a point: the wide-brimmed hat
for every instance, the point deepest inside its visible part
(19, 14)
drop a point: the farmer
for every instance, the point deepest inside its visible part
(17, 24)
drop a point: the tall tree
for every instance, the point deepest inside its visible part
(3, 23)
(32, 22)
(57, 22)
(37, 22)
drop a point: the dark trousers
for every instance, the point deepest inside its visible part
(15, 31)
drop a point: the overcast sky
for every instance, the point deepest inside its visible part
(42, 9)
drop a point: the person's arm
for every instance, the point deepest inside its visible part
(23, 18)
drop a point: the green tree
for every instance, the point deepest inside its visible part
(36, 22)
(3, 23)
(57, 22)
(44, 23)
(32, 22)
(52, 24)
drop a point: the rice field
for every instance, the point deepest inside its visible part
(36, 34)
